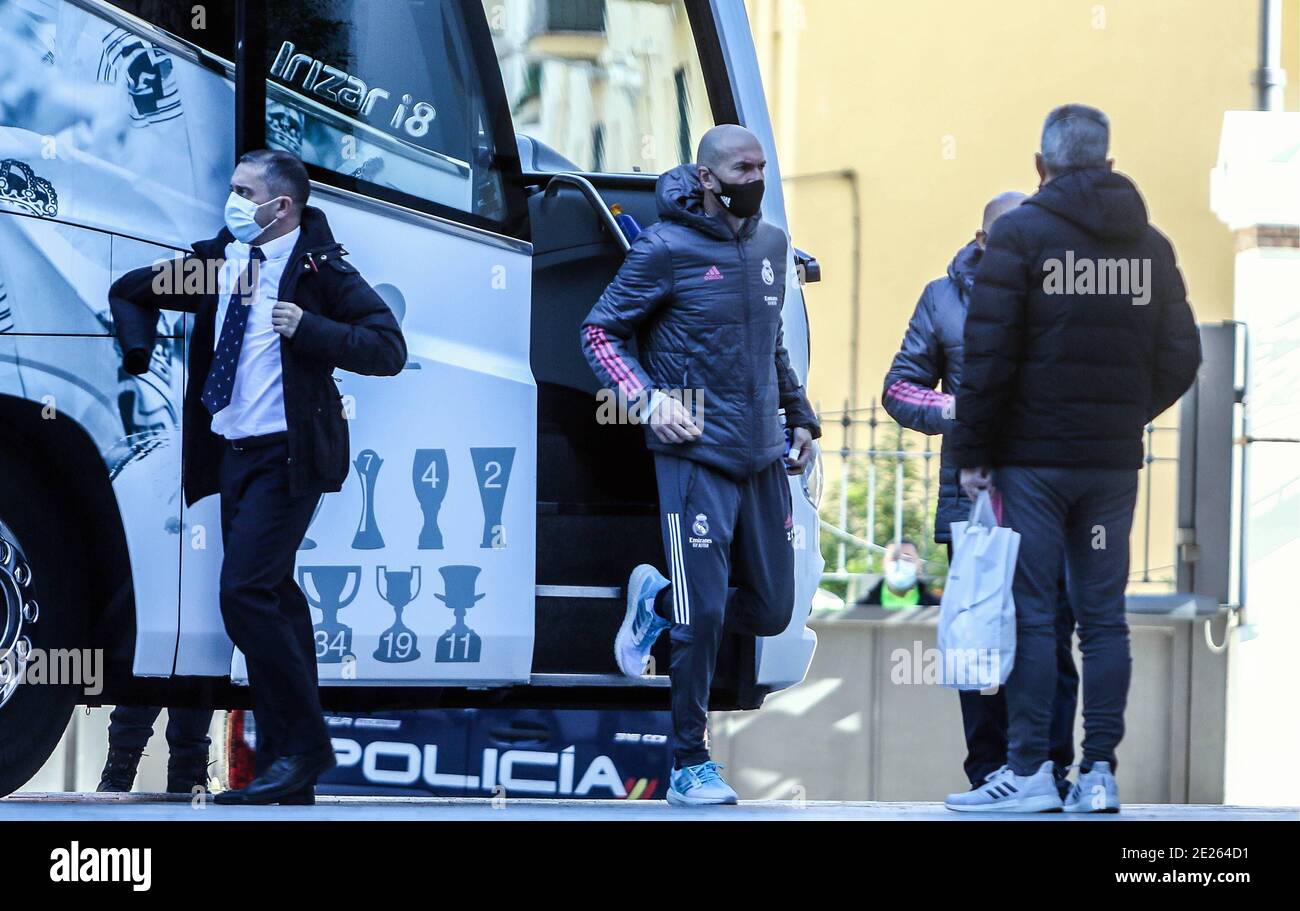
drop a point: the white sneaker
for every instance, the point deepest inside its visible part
(699, 785)
(641, 625)
(1006, 792)
(1096, 791)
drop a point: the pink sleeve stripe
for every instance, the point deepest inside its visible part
(601, 348)
(613, 364)
(913, 394)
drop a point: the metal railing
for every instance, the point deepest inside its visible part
(886, 484)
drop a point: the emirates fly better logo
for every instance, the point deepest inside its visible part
(700, 528)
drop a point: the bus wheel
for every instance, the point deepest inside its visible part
(42, 608)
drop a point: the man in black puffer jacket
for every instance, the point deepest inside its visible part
(1079, 334)
(701, 293)
(931, 354)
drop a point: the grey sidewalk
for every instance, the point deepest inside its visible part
(151, 807)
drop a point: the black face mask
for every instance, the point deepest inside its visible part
(740, 199)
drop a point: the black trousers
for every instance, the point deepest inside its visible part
(731, 563)
(1059, 513)
(131, 726)
(265, 613)
(984, 718)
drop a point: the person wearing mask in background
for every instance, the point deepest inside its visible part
(931, 358)
(701, 291)
(900, 586)
(129, 730)
(1062, 374)
(265, 429)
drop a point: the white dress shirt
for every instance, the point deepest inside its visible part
(257, 400)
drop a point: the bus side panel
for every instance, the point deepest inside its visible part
(79, 378)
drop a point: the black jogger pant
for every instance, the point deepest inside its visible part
(265, 612)
(131, 726)
(731, 561)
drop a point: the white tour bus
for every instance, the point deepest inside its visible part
(472, 155)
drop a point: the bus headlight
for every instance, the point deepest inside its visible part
(813, 477)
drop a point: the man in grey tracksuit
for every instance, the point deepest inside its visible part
(701, 293)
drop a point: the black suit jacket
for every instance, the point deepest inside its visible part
(345, 324)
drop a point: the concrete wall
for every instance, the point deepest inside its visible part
(849, 733)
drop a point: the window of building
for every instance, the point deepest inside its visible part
(627, 67)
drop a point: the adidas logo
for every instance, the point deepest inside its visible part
(713, 275)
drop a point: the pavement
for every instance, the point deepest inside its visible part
(64, 806)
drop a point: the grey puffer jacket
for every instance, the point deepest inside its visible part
(704, 308)
(931, 354)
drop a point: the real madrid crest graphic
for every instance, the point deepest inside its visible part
(22, 189)
(768, 275)
(701, 525)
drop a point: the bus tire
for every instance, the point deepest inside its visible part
(36, 533)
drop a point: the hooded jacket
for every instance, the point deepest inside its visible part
(345, 324)
(930, 357)
(703, 308)
(1078, 332)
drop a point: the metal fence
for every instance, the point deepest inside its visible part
(881, 485)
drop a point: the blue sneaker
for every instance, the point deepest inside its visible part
(641, 625)
(1006, 792)
(1096, 791)
(699, 785)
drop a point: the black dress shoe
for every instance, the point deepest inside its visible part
(284, 780)
(304, 798)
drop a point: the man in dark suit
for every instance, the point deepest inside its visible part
(264, 428)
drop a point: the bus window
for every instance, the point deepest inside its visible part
(209, 25)
(107, 120)
(612, 85)
(388, 95)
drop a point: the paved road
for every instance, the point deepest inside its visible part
(90, 807)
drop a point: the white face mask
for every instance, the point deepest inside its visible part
(240, 218)
(900, 575)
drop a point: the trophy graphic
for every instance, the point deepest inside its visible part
(460, 644)
(429, 478)
(492, 469)
(308, 543)
(368, 537)
(397, 644)
(324, 587)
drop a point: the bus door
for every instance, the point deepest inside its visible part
(606, 95)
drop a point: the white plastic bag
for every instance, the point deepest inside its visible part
(977, 616)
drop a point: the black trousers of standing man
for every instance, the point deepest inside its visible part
(984, 718)
(265, 613)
